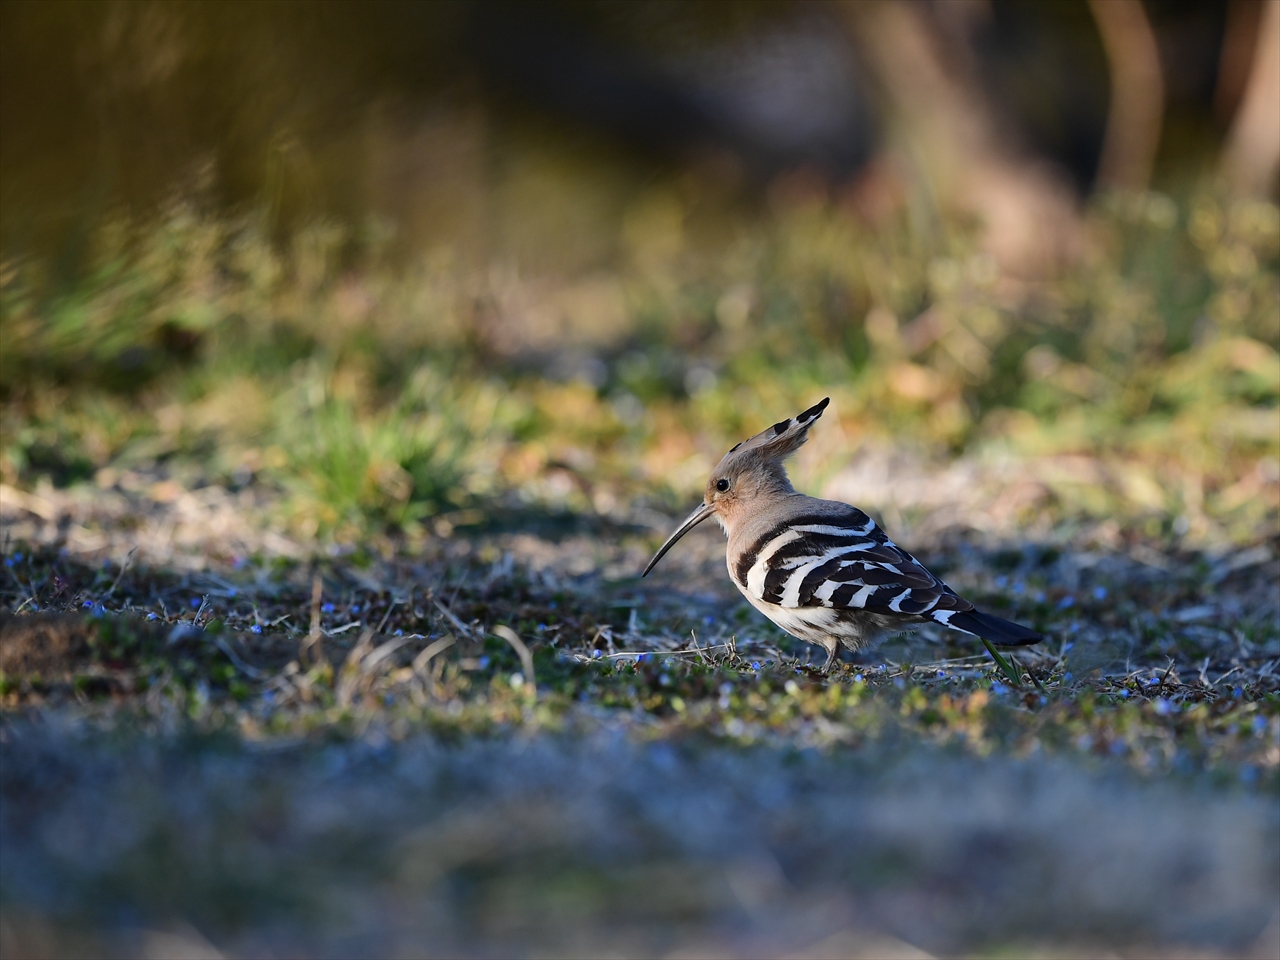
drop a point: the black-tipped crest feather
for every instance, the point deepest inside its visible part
(785, 436)
(815, 411)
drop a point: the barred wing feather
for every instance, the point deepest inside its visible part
(844, 562)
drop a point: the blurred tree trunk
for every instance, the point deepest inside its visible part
(1251, 158)
(945, 136)
(1137, 94)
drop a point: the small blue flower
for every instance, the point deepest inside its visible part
(1066, 677)
(1237, 692)
(152, 616)
(355, 608)
(1068, 645)
(859, 678)
(708, 620)
(1002, 581)
(1163, 707)
(1259, 724)
(1099, 593)
(999, 689)
(231, 592)
(195, 603)
(639, 657)
(8, 561)
(597, 654)
(326, 608)
(1124, 693)
(398, 633)
(484, 662)
(256, 628)
(1067, 602)
(88, 604)
(541, 627)
(755, 664)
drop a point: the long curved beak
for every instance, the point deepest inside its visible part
(703, 511)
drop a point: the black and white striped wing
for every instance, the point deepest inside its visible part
(844, 562)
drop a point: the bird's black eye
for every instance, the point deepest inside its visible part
(722, 484)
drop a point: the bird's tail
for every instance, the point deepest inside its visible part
(1005, 633)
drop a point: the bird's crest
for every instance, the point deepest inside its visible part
(783, 438)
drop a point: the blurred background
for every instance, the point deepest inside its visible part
(383, 263)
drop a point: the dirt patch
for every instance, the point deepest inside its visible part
(53, 646)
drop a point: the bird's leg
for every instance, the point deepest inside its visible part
(831, 657)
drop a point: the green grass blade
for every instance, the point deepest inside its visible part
(1003, 663)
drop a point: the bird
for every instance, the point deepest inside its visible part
(823, 570)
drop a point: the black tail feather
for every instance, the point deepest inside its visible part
(1004, 633)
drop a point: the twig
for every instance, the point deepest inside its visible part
(665, 653)
(387, 616)
(458, 589)
(526, 658)
(694, 637)
(124, 567)
(314, 635)
(336, 631)
(951, 660)
(458, 625)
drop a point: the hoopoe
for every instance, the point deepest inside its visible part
(822, 570)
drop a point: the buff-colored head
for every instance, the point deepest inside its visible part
(750, 471)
